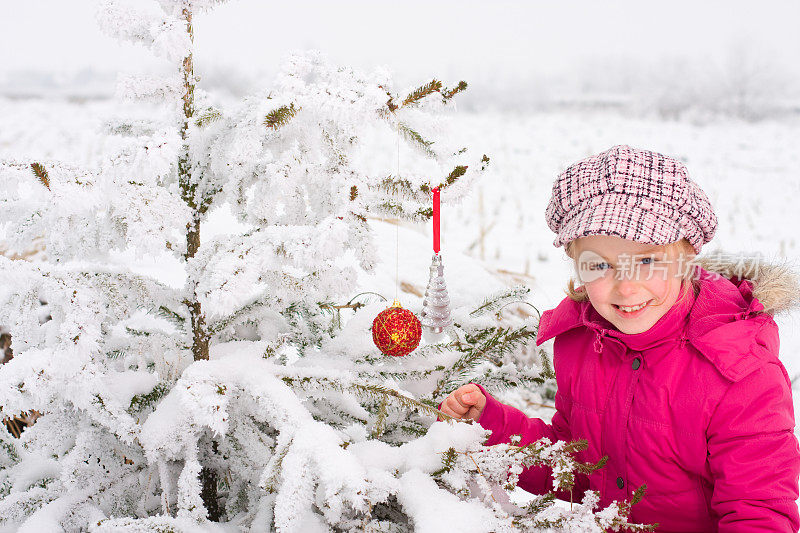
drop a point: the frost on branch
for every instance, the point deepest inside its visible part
(322, 143)
(148, 88)
(481, 473)
(145, 22)
(83, 215)
(197, 6)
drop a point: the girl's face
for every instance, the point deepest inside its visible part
(630, 284)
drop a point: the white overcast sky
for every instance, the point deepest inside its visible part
(447, 38)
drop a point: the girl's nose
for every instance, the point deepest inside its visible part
(625, 286)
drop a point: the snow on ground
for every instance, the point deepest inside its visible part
(749, 170)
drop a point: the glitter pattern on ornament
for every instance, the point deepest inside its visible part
(396, 331)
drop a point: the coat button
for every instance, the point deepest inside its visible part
(636, 363)
(620, 482)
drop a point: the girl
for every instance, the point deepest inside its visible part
(669, 370)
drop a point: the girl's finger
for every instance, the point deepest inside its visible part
(455, 406)
(470, 395)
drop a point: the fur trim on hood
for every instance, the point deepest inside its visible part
(777, 286)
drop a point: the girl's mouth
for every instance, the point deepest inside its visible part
(631, 311)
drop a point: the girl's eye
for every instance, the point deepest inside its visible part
(597, 267)
(648, 260)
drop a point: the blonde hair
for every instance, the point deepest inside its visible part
(683, 246)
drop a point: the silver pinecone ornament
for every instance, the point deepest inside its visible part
(435, 316)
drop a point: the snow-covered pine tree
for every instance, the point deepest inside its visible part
(236, 397)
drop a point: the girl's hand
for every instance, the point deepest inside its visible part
(465, 402)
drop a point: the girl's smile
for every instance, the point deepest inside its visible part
(630, 311)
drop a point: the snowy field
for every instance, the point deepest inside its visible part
(750, 171)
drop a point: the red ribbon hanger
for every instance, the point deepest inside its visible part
(436, 214)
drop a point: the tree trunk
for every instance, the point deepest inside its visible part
(199, 331)
(208, 477)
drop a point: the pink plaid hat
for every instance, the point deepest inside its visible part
(634, 194)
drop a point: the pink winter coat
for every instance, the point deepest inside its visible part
(698, 407)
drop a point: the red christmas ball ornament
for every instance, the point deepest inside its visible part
(396, 331)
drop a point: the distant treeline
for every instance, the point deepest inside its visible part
(746, 85)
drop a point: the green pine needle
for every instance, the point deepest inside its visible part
(280, 117)
(425, 213)
(394, 209)
(421, 92)
(415, 430)
(448, 462)
(496, 301)
(380, 423)
(238, 315)
(428, 89)
(143, 401)
(136, 332)
(172, 316)
(496, 381)
(403, 188)
(207, 117)
(454, 175)
(540, 503)
(449, 93)
(367, 390)
(7, 446)
(41, 173)
(547, 365)
(638, 494)
(416, 139)
(396, 187)
(488, 344)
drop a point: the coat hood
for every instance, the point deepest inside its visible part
(775, 285)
